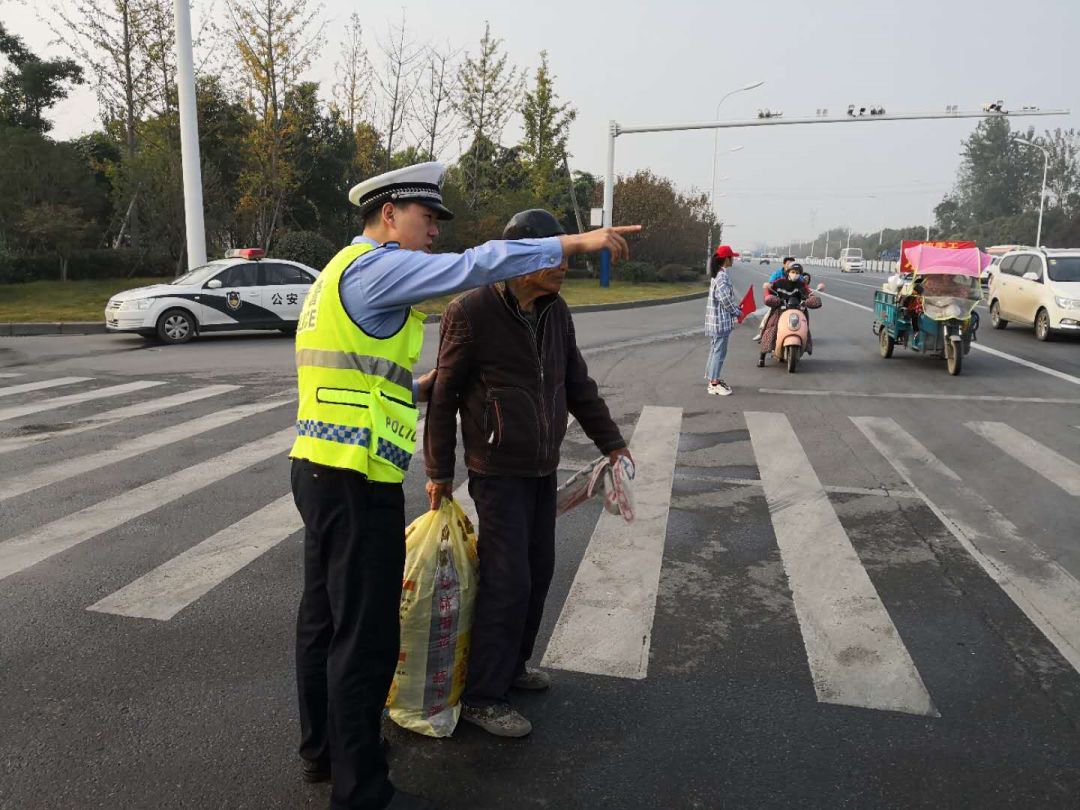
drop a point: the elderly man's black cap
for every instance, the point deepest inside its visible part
(536, 223)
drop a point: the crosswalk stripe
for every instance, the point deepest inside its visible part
(172, 586)
(1046, 593)
(21, 483)
(23, 551)
(75, 399)
(7, 374)
(856, 656)
(40, 385)
(605, 627)
(1048, 463)
(107, 418)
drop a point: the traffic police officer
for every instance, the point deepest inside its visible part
(357, 342)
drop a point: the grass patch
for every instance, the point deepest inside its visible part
(50, 301)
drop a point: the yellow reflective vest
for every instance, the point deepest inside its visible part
(356, 408)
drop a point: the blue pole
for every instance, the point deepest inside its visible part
(605, 268)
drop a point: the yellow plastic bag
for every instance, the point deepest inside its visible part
(437, 597)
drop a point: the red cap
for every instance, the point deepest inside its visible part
(725, 252)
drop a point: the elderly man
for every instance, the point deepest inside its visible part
(509, 362)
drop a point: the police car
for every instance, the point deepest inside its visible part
(241, 291)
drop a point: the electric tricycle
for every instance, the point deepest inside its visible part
(932, 309)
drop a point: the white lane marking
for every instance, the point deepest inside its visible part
(1053, 372)
(810, 392)
(23, 551)
(1048, 463)
(1046, 593)
(75, 399)
(21, 483)
(856, 655)
(107, 418)
(605, 627)
(8, 374)
(173, 585)
(40, 385)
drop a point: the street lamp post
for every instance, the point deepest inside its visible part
(712, 202)
(189, 139)
(716, 148)
(1042, 194)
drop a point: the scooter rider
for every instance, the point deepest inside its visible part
(795, 282)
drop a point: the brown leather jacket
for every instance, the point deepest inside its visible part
(514, 383)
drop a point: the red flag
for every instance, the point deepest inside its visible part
(747, 305)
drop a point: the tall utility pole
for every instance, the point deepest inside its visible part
(189, 138)
(1042, 194)
(615, 129)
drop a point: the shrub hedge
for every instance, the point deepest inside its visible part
(86, 265)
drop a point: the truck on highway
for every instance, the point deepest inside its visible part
(851, 260)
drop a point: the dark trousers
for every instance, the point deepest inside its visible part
(516, 546)
(347, 628)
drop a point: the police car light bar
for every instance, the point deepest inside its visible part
(246, 253)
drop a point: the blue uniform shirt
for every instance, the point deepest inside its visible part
(379, 287)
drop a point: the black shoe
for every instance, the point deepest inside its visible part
(409, 801)
(761, 362)
(316, 770)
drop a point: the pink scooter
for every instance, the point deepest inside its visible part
(793, 327)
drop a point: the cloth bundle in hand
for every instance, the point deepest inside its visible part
(601, 477)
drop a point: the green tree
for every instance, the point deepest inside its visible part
(487, 92)
(56, 227)
(997, 177)
(276, 41)
(1063, 174)
(29, 85)
(675, 224)
(547, 128)
(36, 171)
(324, 150)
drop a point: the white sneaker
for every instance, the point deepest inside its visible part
(757, 338)
(721, 389)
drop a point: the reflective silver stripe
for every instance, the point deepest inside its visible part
(375, 366)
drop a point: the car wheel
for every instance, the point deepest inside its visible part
(996, 320)
(176, 326)
(1042, 325)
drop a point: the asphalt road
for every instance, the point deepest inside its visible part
(855, 586)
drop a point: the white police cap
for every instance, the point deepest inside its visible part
(420, 183)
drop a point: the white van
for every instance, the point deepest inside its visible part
(851, 260)
(1040, 288)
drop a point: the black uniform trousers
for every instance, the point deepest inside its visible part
(516, 547)
(347, 628)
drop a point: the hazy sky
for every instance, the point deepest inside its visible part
(657, 62)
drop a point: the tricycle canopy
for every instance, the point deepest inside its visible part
(929, 260)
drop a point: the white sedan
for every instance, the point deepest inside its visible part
(241, 291)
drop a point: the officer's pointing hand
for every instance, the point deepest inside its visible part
(611, 239)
